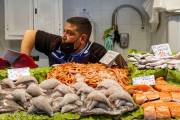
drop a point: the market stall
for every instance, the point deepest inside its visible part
(91, 91)
(83, 89)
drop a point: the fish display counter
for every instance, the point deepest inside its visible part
(160, 100)
(87, 92)
(84, 91)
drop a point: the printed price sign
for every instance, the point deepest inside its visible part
(147, 80)
(178, 66)
(109, 57)
(14, 74)
(162, 50)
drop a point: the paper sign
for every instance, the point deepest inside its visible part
(162, 50)
(109, 57)
(147, 80)
(14, 74)
(178, 66)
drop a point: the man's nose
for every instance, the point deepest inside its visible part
(64, 37)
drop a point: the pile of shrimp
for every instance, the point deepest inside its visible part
(91, 73)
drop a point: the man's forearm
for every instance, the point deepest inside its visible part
(28, 42)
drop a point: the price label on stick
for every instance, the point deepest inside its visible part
(14, 74)
(109, 57)
(147, 80)
(162, 50)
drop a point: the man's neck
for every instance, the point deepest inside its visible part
(82, 47)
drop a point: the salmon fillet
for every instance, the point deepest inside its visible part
(161, 81)
(175, 111)
(154, 103)
(163, 88)
(149, 113)
(175, 96)
(152, 95)
(165, 96)
(138, 88)
(140, 98)
(167, 88)
(162, 112)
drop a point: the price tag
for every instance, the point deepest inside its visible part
(14, 74)
(109, 57)
(162, 50)
(147, 80)
(178, 66)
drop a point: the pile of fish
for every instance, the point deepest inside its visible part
(52, 96)
(91, 73)
(161, 101)
(150, 61)
(161, 110)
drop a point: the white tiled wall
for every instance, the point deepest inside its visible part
(173, 33)
(101, 11)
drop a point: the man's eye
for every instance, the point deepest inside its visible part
(70, 33)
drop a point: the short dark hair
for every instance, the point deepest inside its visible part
(83, 24)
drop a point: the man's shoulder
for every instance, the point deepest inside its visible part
(95, 44)
(44, 33)
(97, 52)
(96, 47)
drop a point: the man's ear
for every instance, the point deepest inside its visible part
(83, 38)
